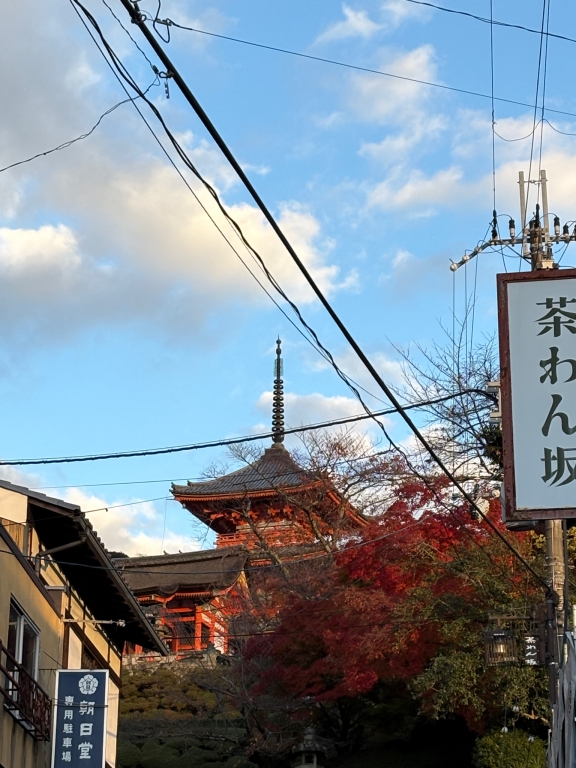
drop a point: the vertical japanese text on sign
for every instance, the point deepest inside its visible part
(79, 736)
(537, 313)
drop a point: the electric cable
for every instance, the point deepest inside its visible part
(258, 568)
(232, 440)
(137, 18)
(135, 42)
(236, 229)
(353, 66)
(69, 143)
(126, 504)
(544, 96)
(490, 20)
(279, 632)
(122, 482)
(538, 74)
(492, 103)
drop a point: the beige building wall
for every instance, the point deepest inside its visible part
(60, 643)
(17, 748)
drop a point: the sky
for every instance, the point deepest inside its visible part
(127, 322)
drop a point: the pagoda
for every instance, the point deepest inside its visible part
(272, 502)
(271, 509)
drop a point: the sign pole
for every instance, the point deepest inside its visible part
(537, 331)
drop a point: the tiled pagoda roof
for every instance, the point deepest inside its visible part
(273, 471)
(210, 570)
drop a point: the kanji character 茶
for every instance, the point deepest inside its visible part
(557, 317)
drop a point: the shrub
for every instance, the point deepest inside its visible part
(159, 756)
(238, 761)
(128, 755)
(515, 749)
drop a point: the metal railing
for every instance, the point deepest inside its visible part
(27, 701)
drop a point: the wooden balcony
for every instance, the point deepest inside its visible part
(23, 697)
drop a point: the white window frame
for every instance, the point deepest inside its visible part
(23, 619)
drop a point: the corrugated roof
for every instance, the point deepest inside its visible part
(206, 570)
(274, 470)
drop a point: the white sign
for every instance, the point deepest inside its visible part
(542, 350)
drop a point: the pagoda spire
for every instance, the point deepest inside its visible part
(278, 398)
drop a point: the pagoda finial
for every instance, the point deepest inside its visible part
(278, 398)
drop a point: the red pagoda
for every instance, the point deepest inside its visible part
(270, 509)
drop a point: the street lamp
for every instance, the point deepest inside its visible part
(500, 647)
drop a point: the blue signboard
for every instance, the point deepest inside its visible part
(79, 735)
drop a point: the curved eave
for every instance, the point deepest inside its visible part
(239, 495)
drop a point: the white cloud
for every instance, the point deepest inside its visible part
(355, 24)
(454, 187)
(350, 364)
(18, 477)
(313, 408)
(388, 100)
(422, 192)
(104, 232)
(135, 529)
(48, 249)
(396, 148)
(147, 251)
(395, 12)
(81, 76)
(403, 107)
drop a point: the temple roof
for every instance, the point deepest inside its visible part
(273, 471)
(206, 570)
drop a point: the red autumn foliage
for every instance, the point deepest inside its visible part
(420, 581)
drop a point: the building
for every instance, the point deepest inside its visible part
(63, 605)
(269, 510)
(271, 504)
(187, 597)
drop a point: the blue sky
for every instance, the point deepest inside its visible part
(126, 321)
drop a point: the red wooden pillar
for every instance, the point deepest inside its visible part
(198, 629)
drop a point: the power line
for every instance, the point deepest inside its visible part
(69, 143)
(232, 440)
(491, 21)
(171, 69)
(538, 76)
(118, 68)
(306, 559)
(279, 632)
(137, 18)
(122, 482)
(127, 504)
(233, 224)
(359, 68)
(125, 75)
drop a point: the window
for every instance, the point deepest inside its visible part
(26, 701)
(23, 639)
(89, 661)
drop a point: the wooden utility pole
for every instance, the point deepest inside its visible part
(536, 237)
(537, 243)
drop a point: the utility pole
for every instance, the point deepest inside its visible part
(536, 239)
(537, 245)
